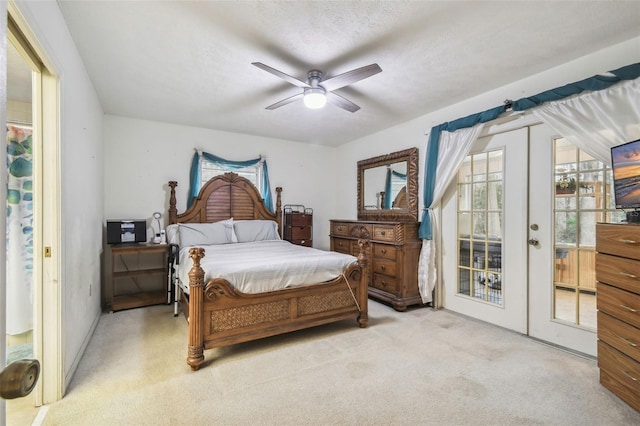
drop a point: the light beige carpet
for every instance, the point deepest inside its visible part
(422, 367)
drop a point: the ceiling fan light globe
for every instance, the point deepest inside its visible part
(314, 100)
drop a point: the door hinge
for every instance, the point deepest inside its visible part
(47, 251)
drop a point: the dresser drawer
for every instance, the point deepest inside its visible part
(619, 240)
(340, 229)
(384, 251)
(298, 232)
(619, 335)
(620, 374)
(383, 266)
(306, 243)
(618, 271)
(342, 245)
(384, 233)
(384, 283)
(619, 303)
(301, 219)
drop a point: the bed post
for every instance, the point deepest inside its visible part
(279, 210)
(195, 355)
(363, 295)
(173, 211)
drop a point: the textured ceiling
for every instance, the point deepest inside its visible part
(189, 62)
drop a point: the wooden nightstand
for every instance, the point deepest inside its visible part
(139, 276)
(298, 225)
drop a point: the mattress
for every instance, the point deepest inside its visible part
(261, 266)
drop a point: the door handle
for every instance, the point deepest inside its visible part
(533, 242)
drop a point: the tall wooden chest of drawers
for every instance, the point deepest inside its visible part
(618, 276)
(393, 252)
(298, 225)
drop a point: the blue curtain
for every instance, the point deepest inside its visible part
(195, 179)
(388, 186)
(597, 82)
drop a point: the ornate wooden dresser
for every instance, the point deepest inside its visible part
(394, 249)
(618, 276)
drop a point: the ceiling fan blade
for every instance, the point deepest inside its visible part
(280, 74)
(286, 101)
(341, 102)
(350, 77)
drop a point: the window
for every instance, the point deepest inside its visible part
(480, 227)
(210, 169)
(583, 197)
(205, 166)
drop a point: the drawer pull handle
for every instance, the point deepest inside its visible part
(383, 267)
(382, 233)
(630, 309)
(384, 283)
(630, 376)
(625, 241)
(628, 275)
(383, 251)
(339, 228)
(630, 343)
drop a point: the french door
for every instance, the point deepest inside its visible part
(509, 257)
(575, 193)
(484, 241)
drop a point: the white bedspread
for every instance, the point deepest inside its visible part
(262, 266)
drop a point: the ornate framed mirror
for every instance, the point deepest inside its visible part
(388, 187)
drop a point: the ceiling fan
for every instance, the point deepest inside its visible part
(317, 92)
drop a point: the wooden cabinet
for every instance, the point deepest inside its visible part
(298, 225)
(618, 281)
(139, 276)
(393, 252)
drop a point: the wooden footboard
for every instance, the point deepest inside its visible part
(221, 316)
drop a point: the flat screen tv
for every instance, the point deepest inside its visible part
(625, 161)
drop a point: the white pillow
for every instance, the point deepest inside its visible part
(172, 234)
(199, 234)
(255, 230)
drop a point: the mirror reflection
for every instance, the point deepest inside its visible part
(388, 187)
(385, 187)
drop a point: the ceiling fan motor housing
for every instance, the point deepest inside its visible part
(314, 77)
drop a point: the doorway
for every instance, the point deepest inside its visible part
(32, 101)
(506, 257)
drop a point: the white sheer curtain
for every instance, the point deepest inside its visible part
(596, 121)
(452, 150)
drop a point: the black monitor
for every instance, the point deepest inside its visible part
(126, 231)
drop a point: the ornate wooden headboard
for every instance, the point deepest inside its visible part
(223, 197)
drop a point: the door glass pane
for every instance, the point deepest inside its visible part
(480, 227)
(582, 199)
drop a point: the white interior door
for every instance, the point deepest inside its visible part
(484, 238)
(562, 265)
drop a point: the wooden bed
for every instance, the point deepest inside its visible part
(218, 315)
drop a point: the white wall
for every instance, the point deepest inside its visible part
(81, 178)
(413, 133)
(142, 156)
